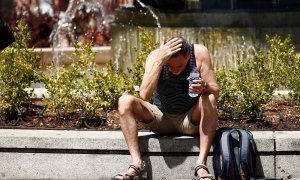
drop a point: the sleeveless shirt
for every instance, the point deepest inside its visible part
(171, 94)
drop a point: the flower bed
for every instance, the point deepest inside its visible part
(277, 115)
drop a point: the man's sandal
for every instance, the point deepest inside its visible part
(199, 177)
(141, 174)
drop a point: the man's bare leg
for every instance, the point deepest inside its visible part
(133, 109)
(207, 113)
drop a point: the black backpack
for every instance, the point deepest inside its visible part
(234, 155)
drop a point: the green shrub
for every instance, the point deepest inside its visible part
(115, 82)
(70, 87)
(110, 85)
(148, 45)
(255, 80)
(293, 80)
(82, 86)
(19, 68)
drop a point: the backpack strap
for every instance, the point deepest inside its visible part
(247, 153)
(234, 135)
(238, 150)
(226, 153)
(230, 139)
(217, 153)
(218, 167)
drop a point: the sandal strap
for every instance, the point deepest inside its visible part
(139, 170)
(140, 173)
(136, 168)
(200, 166)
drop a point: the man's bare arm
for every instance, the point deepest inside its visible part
(154, 64)
(153, 67)
(206, 70)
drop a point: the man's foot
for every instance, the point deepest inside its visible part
(202, 173)
(134, 172)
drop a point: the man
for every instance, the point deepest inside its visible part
(173, 111)
(6, 36)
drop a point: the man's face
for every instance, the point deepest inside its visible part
(177, 64)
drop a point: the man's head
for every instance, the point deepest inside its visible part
(185, 49)
(179, 60)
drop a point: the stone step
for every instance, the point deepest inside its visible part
(83, 154)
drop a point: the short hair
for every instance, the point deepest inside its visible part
(185, 48)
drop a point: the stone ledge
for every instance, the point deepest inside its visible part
(62, 154)
(103, 54)
(287, 141)
(113, 140)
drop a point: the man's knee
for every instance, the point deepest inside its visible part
(126, 102)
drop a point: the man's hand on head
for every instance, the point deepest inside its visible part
(167, 49)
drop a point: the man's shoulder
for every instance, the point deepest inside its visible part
(200, 47)
(201, 53)
(153, 53)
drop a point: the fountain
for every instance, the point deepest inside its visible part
(231, 30)
(82, 21)
(230, 34)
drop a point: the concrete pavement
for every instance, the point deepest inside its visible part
(65, 154)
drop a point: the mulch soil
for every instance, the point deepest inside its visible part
(276, 115)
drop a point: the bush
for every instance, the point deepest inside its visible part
(70, 87)
(255, 80)
(148, 45)
(19, 68)
(110, 85)
(293, 80)
(115, 82)
(82, 86)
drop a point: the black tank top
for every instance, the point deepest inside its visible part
(171, 95)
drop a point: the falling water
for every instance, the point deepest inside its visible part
(124, 53)
(226, 45)
(229, 36)
(151, 10)
(65, 34)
